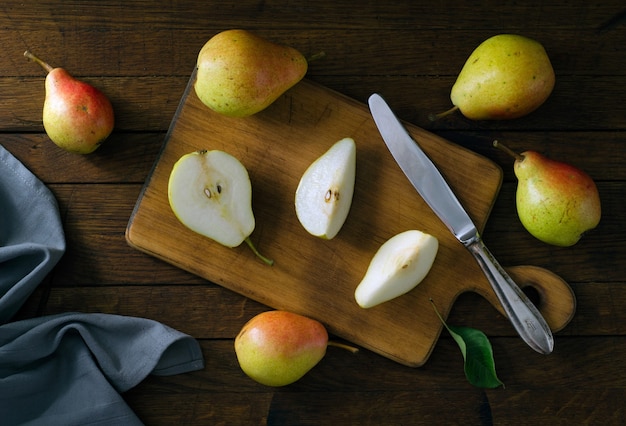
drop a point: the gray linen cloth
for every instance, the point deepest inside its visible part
(70, 368)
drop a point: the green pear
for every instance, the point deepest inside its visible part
(210, 193)
(324, 193)
(507, 76)
(398, 266)
(240, 74)
(76, 116)
(556, 202)
(277, 348)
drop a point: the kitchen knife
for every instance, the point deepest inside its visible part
(433, 188)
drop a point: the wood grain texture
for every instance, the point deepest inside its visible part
(141, 52)
(314, 277)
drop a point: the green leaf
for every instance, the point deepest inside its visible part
(480, 367)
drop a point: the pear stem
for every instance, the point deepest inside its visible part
(267, 260)
(316, 56)
(343, 346)
(433, 117)
(34, 58)
(518, 157)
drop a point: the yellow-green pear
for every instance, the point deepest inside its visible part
(324, 194)
(398, 266)
(507, 76)
(277, 348)
(76, 116)
(556, 202)
(211, 194)
(240, 73)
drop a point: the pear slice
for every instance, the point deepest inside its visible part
(398, 266)
(211, 194)
(324, 194)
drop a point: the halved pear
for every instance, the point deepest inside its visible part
(211, 194)
(324, 194)
(398, 266)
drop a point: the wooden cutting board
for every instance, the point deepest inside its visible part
(315, 277)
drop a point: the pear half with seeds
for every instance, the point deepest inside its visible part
(398, 266)
(211, 194)
(324, 193)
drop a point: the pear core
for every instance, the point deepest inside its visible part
(324, 194)
(211, 194)
(398, 266)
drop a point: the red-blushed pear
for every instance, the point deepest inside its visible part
(398, 266)
(556, 202)
(240, 73)
(507, 76)
(211, 194)
(76, 116)
(277, 348)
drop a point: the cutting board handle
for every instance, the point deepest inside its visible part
(550, 293)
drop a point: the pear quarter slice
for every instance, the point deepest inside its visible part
(398, 266)
(211, 194)
(324, 193)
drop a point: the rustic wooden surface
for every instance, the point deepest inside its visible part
(276, 146)
(141, 54)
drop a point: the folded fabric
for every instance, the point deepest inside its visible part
(66, 369)
(69, 369)
(31, 235)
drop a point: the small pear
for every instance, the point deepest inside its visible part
(507, 76)
(324, 193)
(76, 116)
(210, 193)
(240, 74)
(556, 202)
(277, 348)
(398, 266)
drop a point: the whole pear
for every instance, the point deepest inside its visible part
(240, 73)
(556, 202)
(76, 116)
(507, 76)
(277, 348)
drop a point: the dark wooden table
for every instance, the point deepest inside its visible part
(141, 53)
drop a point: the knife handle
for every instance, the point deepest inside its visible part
(524, 316)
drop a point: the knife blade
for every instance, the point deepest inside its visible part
(433, 188)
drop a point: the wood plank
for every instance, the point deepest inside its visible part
(123, 158)
(403, 14)
(149, 103)
(129, 157)
(139, 103)
(517, 366)
(112, 51)
(209, 311)
(598, 153)
(587, 100)
(393, 394)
